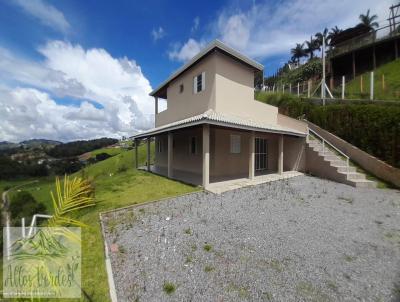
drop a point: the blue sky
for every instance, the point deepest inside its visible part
(82, 69)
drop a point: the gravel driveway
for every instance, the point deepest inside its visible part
(302, 239)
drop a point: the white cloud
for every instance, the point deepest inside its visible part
(92, 76)
(186, 51)
(46, 13)
(271, 28)
(196, 23)
(158, 34)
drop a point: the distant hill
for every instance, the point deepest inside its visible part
(39, 143)
(7, 145)
(79, 147)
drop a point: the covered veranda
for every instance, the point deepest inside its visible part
(221, 156)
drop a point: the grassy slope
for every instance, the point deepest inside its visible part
(391, 71)
(117, 184)
(110, 151)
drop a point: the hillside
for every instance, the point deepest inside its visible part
(117, 184)
(386, 79)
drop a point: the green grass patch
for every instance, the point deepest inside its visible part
(169, 288)
(115, 188)
(386, 84)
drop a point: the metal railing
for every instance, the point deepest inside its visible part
(324, 141)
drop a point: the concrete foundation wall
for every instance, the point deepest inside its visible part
(294, 154)
(365, 160)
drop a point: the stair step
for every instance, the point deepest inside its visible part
(355, 175)
(345, 169)
(362, 183)
(336, 162)
(331, 157)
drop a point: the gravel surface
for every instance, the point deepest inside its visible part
(302, 239)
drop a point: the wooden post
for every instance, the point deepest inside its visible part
(383, 82)
(283, 88)
(290, 88)
(343, 86)
(206, 155)
(371, 93)
(361, 84)
(298, 89)
(309, 89)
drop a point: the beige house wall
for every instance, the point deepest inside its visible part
(187, 104)
(294, 153)
(229, 88)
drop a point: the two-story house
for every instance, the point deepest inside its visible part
(214, 130)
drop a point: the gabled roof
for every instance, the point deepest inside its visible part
(220, 119)
(215, 45)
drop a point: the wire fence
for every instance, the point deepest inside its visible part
(369, 86)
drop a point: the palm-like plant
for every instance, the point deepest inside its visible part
(320, 36)
(311, 46)
(369, 21)
(334, 32)
(74, 195)
(298, 52)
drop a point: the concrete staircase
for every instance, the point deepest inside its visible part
(333, 166)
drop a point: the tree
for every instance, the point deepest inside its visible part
(298, 52)
(368, 20)
(320, 36)
(312, 46)
(23, 204)
(334, 32)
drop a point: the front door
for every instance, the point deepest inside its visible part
(261, 154)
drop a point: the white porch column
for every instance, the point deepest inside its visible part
(206, 155)
(280, 155)
(170, 154)
(148, 153)
(156, 105)
(136, 153)
(251, 155)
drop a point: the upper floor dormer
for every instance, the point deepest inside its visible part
(218, 78)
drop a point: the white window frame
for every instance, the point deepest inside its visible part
(203, 82)
(235, 143)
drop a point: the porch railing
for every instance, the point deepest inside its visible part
(325, 142)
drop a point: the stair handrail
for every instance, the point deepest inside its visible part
(330, 144)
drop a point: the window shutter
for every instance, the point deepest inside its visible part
(194, 85)
(203, 81)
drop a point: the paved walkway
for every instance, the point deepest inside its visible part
(224, 186)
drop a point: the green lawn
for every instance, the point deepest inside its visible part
(390, 91)
(117, 185)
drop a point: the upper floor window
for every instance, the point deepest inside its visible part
(199, 83)
(181, 88)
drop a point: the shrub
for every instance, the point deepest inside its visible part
(23, 204)
(372, 127)
(102, 156)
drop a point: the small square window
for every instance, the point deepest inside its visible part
(159, 146)
(181, 88)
